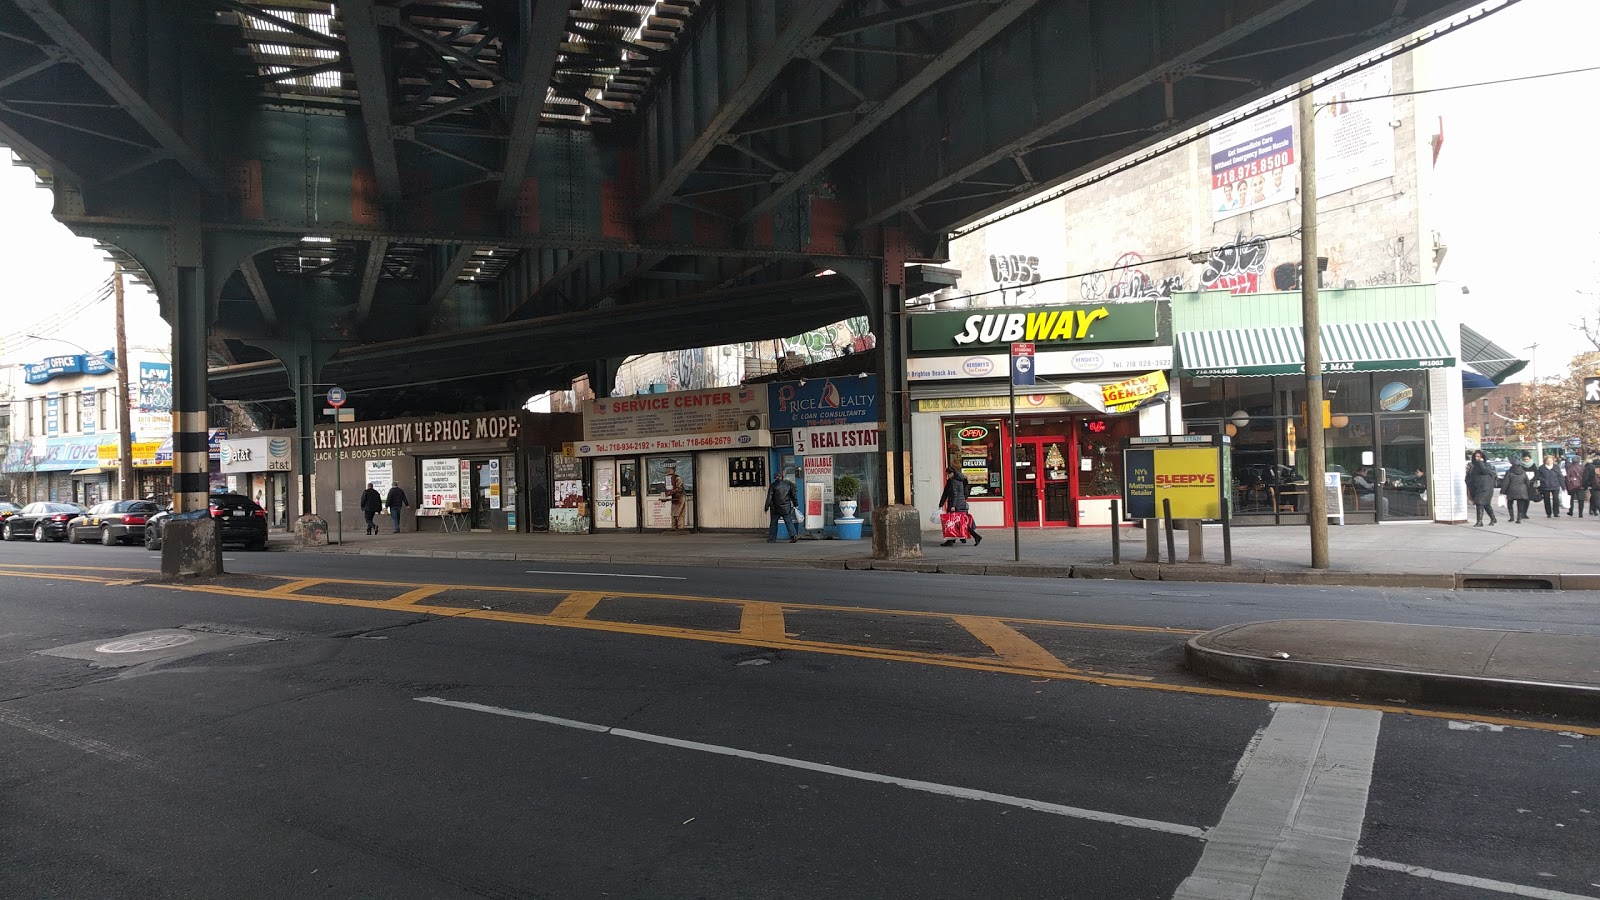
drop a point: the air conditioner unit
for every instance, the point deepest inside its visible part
(756, 422)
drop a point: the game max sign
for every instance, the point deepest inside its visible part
(1106, 323)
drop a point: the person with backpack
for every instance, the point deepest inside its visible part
(396, 502)
(1577, 493)
(781, 501)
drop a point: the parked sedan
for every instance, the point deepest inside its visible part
(240, 520)
(42, 521)
(112, 522)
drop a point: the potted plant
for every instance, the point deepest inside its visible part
(846, 488)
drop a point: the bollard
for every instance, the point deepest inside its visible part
(1227, 536)
(1197, 541)
(1172, 545)
(1152, 541)
(1116, 532)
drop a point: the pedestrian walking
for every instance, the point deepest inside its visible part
(954, 500)
(1591, 483)
(371, 505)
(1480, 486)
(781, 501)
(1577, 494)
(675, 496)
(1515, 488)
(396, 502)
(1549, 479)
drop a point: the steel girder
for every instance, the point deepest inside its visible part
(1078, 84)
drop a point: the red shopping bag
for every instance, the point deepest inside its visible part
(954, 524)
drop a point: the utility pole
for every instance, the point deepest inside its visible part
(1317, 468)
(1534, 403)
(125, 483)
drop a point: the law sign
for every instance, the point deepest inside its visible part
(1022, 364)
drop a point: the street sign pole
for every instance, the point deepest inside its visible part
(336, 398)
(1021, 373)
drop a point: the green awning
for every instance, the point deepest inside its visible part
(1351, 347)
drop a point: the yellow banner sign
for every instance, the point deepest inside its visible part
(144, 455)
(1126, 396)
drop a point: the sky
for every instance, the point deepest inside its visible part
(1516, 199)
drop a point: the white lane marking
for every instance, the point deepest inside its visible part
(1474, 726)
(1487, 884)
(607, 575)
(930, 787)
(1291, 827)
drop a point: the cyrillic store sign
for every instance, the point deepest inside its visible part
(969, 330)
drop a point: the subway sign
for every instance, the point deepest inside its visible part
(1049, 326)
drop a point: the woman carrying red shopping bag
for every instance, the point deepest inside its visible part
(957, 519)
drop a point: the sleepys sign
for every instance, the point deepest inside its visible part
(960, 332)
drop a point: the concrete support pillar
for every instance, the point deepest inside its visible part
(191, 479)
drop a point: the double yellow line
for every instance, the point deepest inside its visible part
(762, 624)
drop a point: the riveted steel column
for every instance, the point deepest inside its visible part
(191, 469)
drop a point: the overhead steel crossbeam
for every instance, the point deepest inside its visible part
(742, 50)
(1072, 87)
(541, 31)
(367, 54)
(132, 71)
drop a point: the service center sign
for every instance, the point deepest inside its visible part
(1190, 477)
(967, 331)
(715, 411)
(836, 439)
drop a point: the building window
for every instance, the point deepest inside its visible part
(974, 446)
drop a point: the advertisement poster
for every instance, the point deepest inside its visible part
(155, 387)
(818, 489)
(88, 412)
(441, 484)
(606, 510)
(716, 411)
(491, 482)
(380, 474)
(1187, 476)
(1253, 163)
(1355, 142)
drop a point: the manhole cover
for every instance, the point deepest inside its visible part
(145, 644)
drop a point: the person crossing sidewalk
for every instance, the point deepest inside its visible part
(954, 500)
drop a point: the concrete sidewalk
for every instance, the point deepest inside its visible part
(1559, 553)
(1477, 667)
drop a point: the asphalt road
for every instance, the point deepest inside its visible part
(318, 748)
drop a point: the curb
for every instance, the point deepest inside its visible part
(1094, 571)
(1387, 683)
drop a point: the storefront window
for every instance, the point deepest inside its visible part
(974, 446)
(656, 471)
(1100, 454)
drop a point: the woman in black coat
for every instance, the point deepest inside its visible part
(1480, 486)
(1516, 491)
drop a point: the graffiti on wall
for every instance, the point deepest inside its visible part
(1400, 267)
(1126, 279)
(1236, 267)
(1015, 275)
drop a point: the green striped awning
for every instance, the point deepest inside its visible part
(1352, 347)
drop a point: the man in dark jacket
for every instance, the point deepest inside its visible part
(396, 502)
(371, 505)
(1480, 486)
(781, 502)
(1516, 490)
(1591, 481)
(954, 500)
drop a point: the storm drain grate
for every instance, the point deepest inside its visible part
(1506, 583)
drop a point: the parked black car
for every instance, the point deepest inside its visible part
(42, 521)
(112, 522)
(240, 520)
